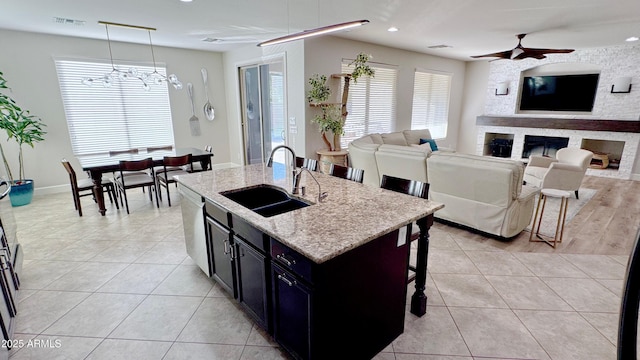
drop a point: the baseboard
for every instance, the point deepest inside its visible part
(635, 177)
(48, 190)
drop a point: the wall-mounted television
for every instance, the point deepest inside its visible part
(575, 93)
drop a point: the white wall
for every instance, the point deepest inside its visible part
(323, 55)
(27, 61)
(475, 84)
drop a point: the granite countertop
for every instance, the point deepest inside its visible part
(351, 215)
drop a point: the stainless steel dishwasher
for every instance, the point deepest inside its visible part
(195, 237)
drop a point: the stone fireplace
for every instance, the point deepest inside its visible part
(614, 140)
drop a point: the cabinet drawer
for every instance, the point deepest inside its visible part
(250, 234)
(219, 214)
(292, 260)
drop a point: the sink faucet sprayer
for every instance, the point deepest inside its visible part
(297, 174)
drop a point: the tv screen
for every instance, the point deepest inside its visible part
(559, 92)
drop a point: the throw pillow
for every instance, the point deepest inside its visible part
(431, 142)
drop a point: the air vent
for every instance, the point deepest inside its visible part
(441, 46)
(65, 21)
(211, 40)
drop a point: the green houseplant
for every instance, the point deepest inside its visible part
(332, 117)
(23, 128)
(329, 119)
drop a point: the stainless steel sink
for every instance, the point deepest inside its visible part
(265, 200)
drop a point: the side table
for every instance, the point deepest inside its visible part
(328, 157)
(562, 215)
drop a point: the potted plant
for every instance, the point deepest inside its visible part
(24, 128)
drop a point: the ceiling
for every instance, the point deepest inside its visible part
(467, 27)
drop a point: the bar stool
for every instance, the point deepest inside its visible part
(562, 215)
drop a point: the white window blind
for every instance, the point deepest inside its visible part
(371, 104)
(120, 117)
(431, 102)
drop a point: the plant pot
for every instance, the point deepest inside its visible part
(21, 193)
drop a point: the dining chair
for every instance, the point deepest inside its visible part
(143, 176)
(165, 177)
(197, 166)
(309, 164)
(346, 172)
(84, 187)
(409, 187)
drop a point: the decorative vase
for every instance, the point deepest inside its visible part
(21, 193)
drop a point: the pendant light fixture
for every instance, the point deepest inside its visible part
(314, 32)
(147, 78)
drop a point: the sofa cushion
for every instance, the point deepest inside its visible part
(414, 136)
(516, 167)
(405, 150)
(394, 138)
(425, 146)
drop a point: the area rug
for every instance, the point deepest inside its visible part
(550, 217)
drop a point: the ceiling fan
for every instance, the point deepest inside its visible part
(519, 52)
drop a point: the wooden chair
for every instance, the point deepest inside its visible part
(84, 187)
(165, 176)
(409, 187)
(309, 164)
(139, 178)
(197, 167)
(346, 172)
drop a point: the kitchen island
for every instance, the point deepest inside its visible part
(325, 280)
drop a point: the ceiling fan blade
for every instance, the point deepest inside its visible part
(501, 55)
(548, 51)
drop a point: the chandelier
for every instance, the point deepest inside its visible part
(147, 78)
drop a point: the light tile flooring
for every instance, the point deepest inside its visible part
(123, 287)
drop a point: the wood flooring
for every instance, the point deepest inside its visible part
(606, 225)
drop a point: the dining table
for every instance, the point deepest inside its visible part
(98, 164)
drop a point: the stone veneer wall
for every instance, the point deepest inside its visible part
(614, 62)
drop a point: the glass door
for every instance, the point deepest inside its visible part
(263, 110)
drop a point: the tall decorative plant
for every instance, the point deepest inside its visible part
(20, 126)
(329, 118)
(333, 116)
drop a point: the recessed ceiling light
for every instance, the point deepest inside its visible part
(186, 0)
(392, 29)
(632, 38)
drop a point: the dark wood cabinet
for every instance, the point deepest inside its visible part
(223, 268)
(292, 303)
(351, 306)
(253, 282)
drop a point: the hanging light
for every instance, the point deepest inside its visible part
(314, 32)
(147, 78)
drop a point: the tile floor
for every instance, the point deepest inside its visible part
(122, 287)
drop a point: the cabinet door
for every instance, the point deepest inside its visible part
(292, 303)
(222, 262)
(253, 282)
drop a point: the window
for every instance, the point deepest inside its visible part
(371, 104)
(120, 117)
(431, 102)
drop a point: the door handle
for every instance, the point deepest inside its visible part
(286, 281)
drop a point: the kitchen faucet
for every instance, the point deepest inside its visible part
(297, 174)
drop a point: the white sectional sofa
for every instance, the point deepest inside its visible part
(480, 192)
(396, 154)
